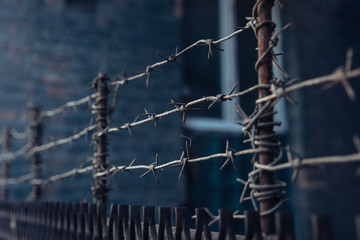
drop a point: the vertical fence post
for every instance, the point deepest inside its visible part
(35, 140)
(100, 190)
(6, 164)
(264, 32)
(321, 227)
(357, 226)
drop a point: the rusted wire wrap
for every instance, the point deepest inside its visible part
(6, 164)
(36, 128)
(260, 125)
(100, 164)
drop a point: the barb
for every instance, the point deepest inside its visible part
(173, 58)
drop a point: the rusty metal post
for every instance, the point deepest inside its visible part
(35, 140)
(265, 29)
(6, 164)
(100, 190)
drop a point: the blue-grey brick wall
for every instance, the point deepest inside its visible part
(325, 121)
(50, 52)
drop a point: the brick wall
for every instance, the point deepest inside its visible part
(325, 122)
(50, 51)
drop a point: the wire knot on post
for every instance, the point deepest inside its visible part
(36, 128)
(100, 163)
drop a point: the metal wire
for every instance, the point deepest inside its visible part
(211, 44)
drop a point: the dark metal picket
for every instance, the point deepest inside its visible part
(135, 223)
(321, 227)
(285, 226)
(182, 230)
(123, 222)
(165, 224)
(252, 226)
(149, 226)
(84, 221)
(202, 225)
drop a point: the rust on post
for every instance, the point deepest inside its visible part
(35, 140)
(265, 75)
(6, 164)
(100, 191)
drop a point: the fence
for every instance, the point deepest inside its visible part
(264, 192)
(70, 221)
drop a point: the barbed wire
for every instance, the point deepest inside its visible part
(229, 155)
(125, 79)
(179, 107)
(298, 162)
(27, 149)
(210, 43)
(268, 143)
(248, 122)
(340, 75)
(10, 156)
(72, 104)
(295, 163)
(259, 125)
(279, 90)
(62, 141)
(16, 181)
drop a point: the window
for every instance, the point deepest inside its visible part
(222, 71)
(209, 130)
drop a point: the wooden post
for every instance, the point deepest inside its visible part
(265, 29)
(35, 140)
(100, 191)
(6, 164)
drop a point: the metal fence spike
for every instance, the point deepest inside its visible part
(202, 225)
(113, 222)
(165, 224)
(101, 218)
(285, 226)
(135, 223)
(226, 225)
(182, 223)
(149, 222)
(357, 226)
(123, 224)
(94, 229)
(321, 227)
(252, 226)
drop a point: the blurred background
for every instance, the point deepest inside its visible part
(50, 52)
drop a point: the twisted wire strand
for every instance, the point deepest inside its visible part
(173, 58)
(71, 104)
(248, 123)
(127, 168)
